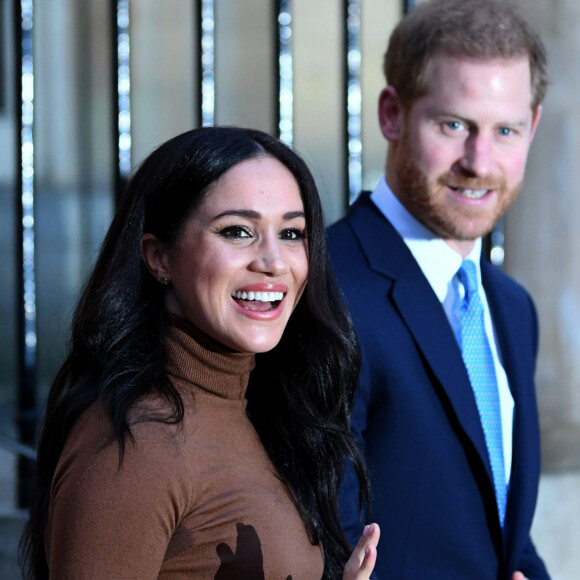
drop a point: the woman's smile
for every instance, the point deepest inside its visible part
(261, 299)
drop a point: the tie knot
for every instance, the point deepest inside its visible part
(467, 275)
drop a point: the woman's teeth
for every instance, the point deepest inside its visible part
(259, 296)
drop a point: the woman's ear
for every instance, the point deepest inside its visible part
(390, 114)
(155, 258)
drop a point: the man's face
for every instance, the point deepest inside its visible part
(458, 160)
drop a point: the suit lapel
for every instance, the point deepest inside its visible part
(427, 322)
(423, 314)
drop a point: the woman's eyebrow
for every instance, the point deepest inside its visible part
(252, 214)
(289, 215)
(247, 213)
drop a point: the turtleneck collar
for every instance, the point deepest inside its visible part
(198, 359)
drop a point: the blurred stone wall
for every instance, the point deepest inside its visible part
(542, 247)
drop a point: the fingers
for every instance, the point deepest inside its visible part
(519, 576)
(362, 560)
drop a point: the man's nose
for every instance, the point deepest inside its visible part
(477, 158)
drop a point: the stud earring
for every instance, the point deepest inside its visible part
(164, 281)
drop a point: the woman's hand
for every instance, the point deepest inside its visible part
(362, 560)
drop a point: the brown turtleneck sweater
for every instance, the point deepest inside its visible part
(198, 500)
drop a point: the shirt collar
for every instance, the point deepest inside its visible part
(438, 261)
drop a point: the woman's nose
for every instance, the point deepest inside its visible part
(270, 259)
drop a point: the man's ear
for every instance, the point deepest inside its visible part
(155, 258)
(535, 121)
(390, 114)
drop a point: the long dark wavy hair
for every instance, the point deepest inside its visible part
(117, 352)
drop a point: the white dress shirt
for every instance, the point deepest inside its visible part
(439, 263)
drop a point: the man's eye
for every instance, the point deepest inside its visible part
(235, 232)
(454, 125)
(292, 234)
(505, 131)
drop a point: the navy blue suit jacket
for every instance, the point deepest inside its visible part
(415, 415)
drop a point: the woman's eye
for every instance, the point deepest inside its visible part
(292, 234)
(235, 232)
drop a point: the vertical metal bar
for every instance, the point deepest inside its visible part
(284, 72)
(3, 100)
(27, 340)
(121, 71)
(353, 98)
(206, 74)
(495, 244)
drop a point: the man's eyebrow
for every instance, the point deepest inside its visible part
(449, 113)
(519, 123)
(514, 123)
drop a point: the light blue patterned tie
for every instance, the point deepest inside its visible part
(479, 363)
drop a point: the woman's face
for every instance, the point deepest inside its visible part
(241, 264)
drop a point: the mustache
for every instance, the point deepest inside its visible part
(465, 182)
